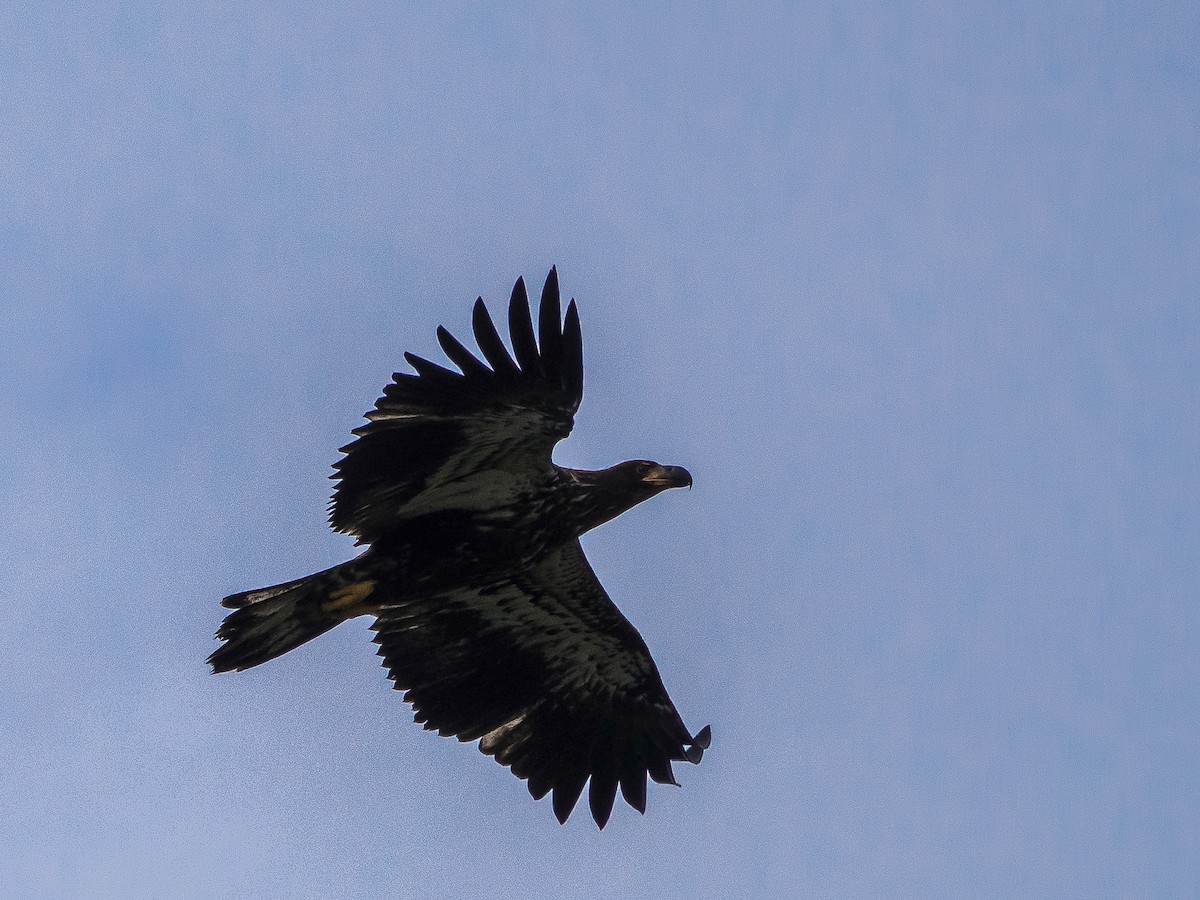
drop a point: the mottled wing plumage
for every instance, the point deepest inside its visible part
(546, 673)
(441, 427)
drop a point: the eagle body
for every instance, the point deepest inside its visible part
(487, 613)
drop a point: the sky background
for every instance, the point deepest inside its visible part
(912, 292)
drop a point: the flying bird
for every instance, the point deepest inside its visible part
(487, 614)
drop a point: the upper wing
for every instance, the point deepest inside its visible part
(548, 675)
(440, 439)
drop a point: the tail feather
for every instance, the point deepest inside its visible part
(268, 622)
(247, 598)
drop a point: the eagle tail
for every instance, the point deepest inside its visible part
(268, 622)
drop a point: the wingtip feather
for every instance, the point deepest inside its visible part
(566, 795)
(459, 354)
(520, 331)
(550, 336)
(428, 369)
(572, 375)
(602, 794)
(488, 339)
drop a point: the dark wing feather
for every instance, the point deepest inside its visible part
(440, 427)
(520, 332)
(547, 674)
(461, 356)
(489, 341)
(550, 327)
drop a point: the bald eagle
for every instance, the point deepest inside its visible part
(487, 614)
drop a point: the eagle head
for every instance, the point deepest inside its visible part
(650, 478)
(606, 493)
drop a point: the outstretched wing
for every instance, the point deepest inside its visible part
(442, 439)
(544, 671)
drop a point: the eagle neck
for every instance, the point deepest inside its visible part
(593, 498)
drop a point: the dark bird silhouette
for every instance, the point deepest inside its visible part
(487, 614)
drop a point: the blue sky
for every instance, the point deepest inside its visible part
(910, 290)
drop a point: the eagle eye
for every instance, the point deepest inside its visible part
(643, 468)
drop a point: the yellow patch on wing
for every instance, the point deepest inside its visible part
(347, 599)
